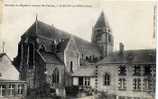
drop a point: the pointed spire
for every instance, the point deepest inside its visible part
(102, 13)
(36, 17)
(101, 21)
(3, 47)
(36, 21)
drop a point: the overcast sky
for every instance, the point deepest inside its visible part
(131, 22)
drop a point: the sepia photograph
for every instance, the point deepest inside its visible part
(78, 50)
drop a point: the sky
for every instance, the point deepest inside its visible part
(131, 22)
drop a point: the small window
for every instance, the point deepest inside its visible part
(0, 74)
(147, 84)
(55, 76)
(122, 84)
(80, 81)
(137, 70)
(122, 70)
(87, 58)
(87, 81)
(137, 84)
(106, 79)
(147, 70)
(20, 89)
(84, 81)
(11, 89)
(3, 90)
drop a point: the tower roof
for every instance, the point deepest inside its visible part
(102, 21)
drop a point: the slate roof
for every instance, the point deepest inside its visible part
(50, 33)
(143, 56)
(39, 28)
(86, 45)
(50, 58)
(62, 45)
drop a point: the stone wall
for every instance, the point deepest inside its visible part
(113, 70)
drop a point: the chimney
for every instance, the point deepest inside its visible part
(121, 48)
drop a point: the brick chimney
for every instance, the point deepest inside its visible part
(121, 51)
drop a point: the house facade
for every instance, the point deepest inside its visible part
(10, 85)
(52, 57)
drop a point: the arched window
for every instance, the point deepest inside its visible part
(71, 66)
(31, 56)
(106, 79)
(55, 76)
(42, 48)
(86, 57)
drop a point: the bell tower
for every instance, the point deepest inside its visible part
(102, 36)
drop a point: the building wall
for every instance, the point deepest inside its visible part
(39, 71)
(7, 70)
(49, 71)
(18, 89)
(113, 70)
(71, 56)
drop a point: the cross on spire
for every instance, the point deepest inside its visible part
(3, 47)
(36, 17)
(36, 21)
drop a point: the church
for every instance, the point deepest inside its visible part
(52, 60)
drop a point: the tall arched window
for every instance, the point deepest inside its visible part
(106, 79)
(31, 56)
(55, 76)
(71, 66)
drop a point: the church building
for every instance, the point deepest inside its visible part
(60, 60)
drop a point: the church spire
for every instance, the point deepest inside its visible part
(36, 22)
(102, 35)
(36, 17)
(101, 22)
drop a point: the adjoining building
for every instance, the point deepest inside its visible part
(52, 57)
(10, 85)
